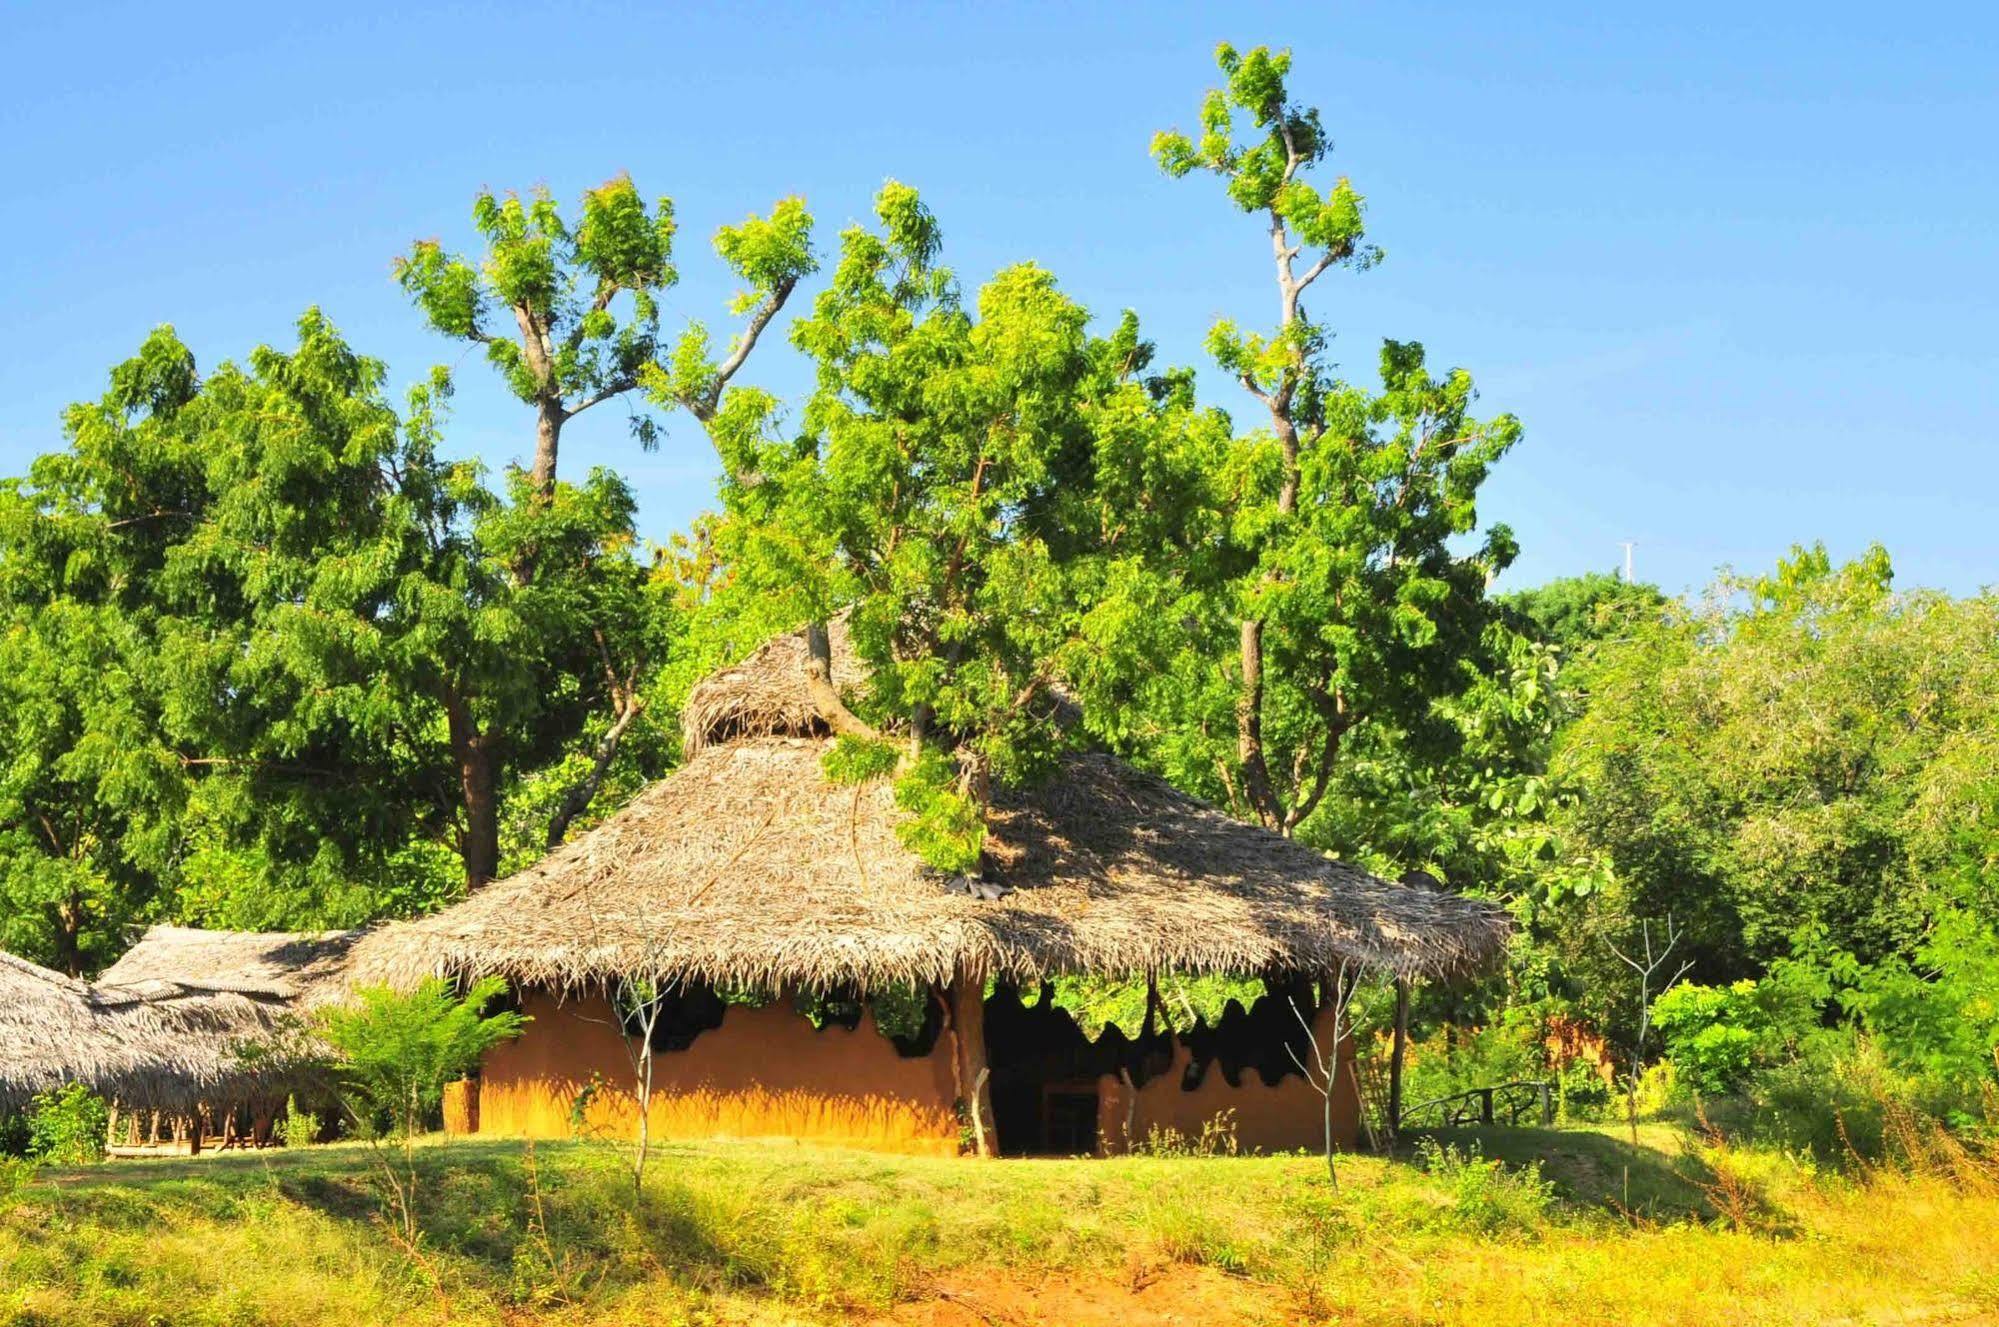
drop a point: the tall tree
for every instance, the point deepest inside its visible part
(557, 281)
(966, 484)
(577, 344)
(274, 661)
(1342, 598)
(560, 282)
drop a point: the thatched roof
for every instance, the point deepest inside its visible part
(764, 695)
(150, 1045)
(747, 866)
(266, 965)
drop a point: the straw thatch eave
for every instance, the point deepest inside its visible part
(747, 867)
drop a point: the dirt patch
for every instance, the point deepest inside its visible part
(1173, 1297)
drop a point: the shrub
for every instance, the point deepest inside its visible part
(16, 1173)
(1718, 1036)
(398, 1049)
(1711, 1034)
(1457, 1060)
(1581, 1093)
(67, 1126)
(298, 1128)
(1937, 1019)
(1487, 1198)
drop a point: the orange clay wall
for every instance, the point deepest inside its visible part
(1267, 1119)
(765, 1072)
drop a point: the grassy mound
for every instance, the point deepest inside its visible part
(1523, 1225)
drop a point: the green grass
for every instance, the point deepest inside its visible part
(768, 1233)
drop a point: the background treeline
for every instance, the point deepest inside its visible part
(270, 658)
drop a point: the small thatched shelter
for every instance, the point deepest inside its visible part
(749, 870)
(167, 1033)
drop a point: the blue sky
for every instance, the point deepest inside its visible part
(1734, 266)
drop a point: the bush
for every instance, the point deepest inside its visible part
(67, 1126)
(298, 1128)
(1843, 1096)
(16, 1173)
(1937, 1019)
(1581, 1094)
(1711, 1034)
(398, 1049)
(1488, 1198)
(1454, 1060)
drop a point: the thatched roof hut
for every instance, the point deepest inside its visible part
(749, 867)
(151, 1046)
(166, 1026)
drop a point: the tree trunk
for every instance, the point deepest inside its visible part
(584, 791)
(1249, 730)
(478, 784)
(968, 1027)
(548, 422)
(69, 937)
(825, 695)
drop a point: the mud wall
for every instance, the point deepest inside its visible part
(766, 1072)
(1280, 1118)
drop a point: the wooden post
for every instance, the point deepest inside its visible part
(968, 1026)
(1398, 1044)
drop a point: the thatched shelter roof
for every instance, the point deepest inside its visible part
(749, 867)
(151, 1045)
(300, 966)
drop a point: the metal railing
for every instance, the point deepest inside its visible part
(1502, 1102)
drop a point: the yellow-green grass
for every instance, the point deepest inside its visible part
(775, 1233)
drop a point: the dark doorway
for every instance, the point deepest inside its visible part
(1044, 1077)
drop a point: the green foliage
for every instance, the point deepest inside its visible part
(855, 760)
(944, 827)
(1452, 1059)
(298, 1128)
(1938, 1015)
(1339, 594)
(1711, 1033)
(1801, 748)
(396, 1050)
(1575, 612)
(900, 1012)
(1100, 1002)
(980, 485)
(1488, 1198)
(67, 1126)
(560, 278)
(253, 632)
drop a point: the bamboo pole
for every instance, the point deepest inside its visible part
(1398, 1045)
